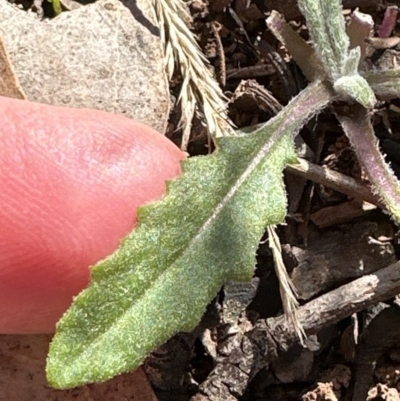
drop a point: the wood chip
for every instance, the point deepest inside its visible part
(342, 213)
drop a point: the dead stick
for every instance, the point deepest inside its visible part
(332, 179)
(342, 302)
(255, 349)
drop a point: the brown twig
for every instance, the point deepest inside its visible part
(338, 304)
(248, 352)
(333, 179)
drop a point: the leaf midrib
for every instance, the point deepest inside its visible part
(290, 123)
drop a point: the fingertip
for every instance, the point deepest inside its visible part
(71, 181)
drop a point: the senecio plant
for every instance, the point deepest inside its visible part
(206, 230)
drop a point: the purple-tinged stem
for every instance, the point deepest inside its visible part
(389, 22)
(357, 126)
(358, 30)
(303, 54)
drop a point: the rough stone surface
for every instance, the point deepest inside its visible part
(106, 55)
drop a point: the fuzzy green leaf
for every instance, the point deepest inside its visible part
(203, 233)
(352, 62)
(327, 29)
(357, 88)
(326, 25)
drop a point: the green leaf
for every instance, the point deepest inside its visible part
(203, 233)
(327, 29)
(326, 25)
(352, 62)
(56, 4)
(357, 88)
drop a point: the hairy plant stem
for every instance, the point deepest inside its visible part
(302, 108)
(357, 126)
(304, 55)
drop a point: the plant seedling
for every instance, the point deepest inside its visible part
(207, 228)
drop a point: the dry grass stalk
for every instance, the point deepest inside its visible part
(200, 91)
(286, 287)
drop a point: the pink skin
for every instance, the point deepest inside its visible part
(71, 181)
